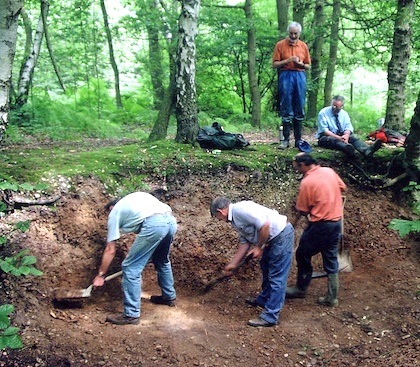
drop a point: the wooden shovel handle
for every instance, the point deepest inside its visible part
(112, 276)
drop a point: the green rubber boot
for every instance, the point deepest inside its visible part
(331, 298)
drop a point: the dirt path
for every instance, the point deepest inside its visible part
(376, 324)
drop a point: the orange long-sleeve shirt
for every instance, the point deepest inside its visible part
(283, 50)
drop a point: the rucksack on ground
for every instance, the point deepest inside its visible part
(214, 137)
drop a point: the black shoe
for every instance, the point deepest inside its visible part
(349, 150)
(123, 320)
(259, 322)
(252, 301)
(159, 300)
(295, 292)
(373, 148)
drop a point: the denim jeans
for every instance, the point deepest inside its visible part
(153, 244)
(292, 95)
(319, 237)
(275, 266)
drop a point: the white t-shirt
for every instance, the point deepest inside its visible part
(129, 213)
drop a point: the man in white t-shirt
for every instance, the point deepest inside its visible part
(268, 236)
(155, 226)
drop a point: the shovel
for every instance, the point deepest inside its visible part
(62, 295)
(210, 285)
(345, 264)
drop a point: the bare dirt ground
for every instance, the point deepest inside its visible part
(376, 323)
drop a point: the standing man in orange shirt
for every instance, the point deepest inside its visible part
(291, 58)
(320, 198)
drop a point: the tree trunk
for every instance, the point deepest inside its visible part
(398, 65)
(412, 146)
(155, 54)
(186, 104)
(30, 64)
(252, 69)
(160, 128)
(332, 59)
(9, 13)
(299, 10)
(318, 26)
(282, 16)
(45, 5)
(111, 56)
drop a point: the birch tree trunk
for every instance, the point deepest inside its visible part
(112, 57)
(29, 65)
(9, 13)
(252, 69)
(186, 104)
(398, 65)
(332, 59)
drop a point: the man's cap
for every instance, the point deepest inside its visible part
(304, 146)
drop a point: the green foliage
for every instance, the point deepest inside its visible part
(9, 335)
(21, 264)
(12, 186)
(405, 227)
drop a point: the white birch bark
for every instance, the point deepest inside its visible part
(186, 106)
(29, 66)
(9, 13)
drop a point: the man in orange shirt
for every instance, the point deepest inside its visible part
(291, 59)
(320, 198)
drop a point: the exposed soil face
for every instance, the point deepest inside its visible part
(376, 323)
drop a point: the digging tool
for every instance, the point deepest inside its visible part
(210, 285)
(62, 295)
(345, 264)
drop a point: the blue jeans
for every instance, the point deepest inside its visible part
(292, 95)
(318, 237)
(275, 266)
(152, 243)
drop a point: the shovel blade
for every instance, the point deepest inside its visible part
(343, 257)
(61, 295)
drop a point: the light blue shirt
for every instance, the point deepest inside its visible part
(129, 213)
(248, 217)
(326, 121)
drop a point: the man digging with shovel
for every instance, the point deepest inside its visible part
(320, 199)
(266, 235)
(155, 226)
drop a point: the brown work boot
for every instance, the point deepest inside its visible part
(122, 319)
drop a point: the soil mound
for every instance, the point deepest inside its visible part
(377, 323)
